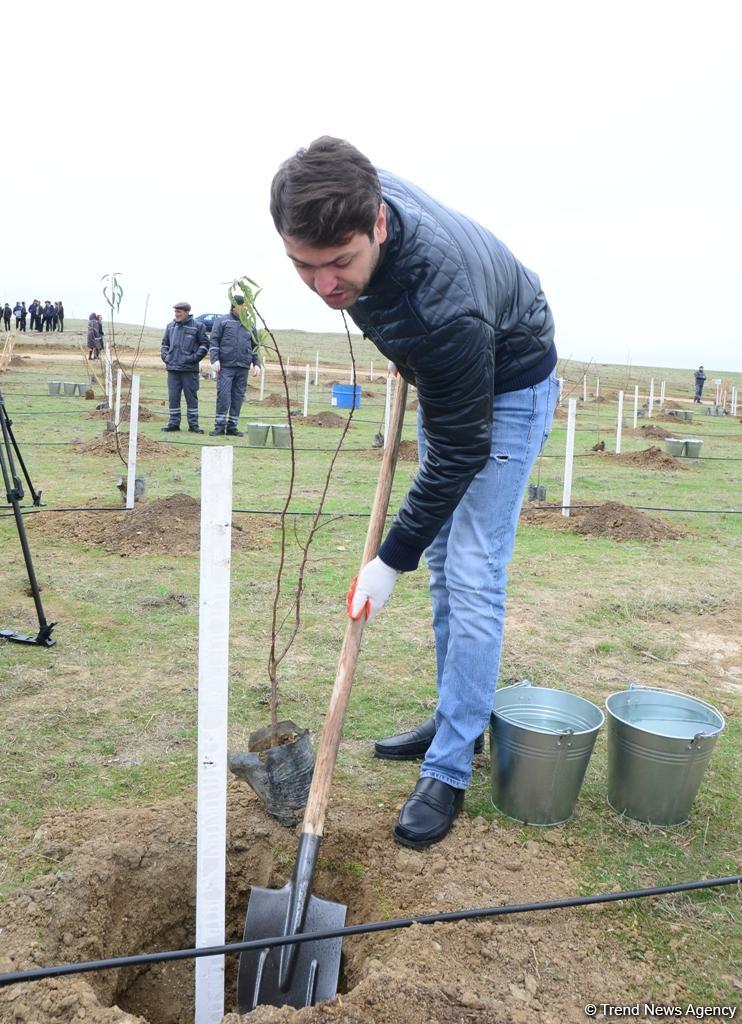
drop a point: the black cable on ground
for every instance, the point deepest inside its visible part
(38, 973)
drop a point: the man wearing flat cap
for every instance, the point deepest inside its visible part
(232, 352)
(184, 345)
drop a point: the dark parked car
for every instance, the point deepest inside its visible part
(207, 319)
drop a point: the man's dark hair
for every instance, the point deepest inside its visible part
(323, 195)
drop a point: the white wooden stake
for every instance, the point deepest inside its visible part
(387, 408)
(636, 403)
(569, 456)
(718, 389)
(561, 389)
(306, 390)
(619, 423)
(262, 382)
(584, 388)
(108, 375)
(316, 370)
(133, 428)
(350, 375)
(213, 677)
(651, 399)
(733, 409)
(117, 414)
(371, 371)
(662, 394)
(597, 388)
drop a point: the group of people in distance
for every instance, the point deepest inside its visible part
(232, 350)
(41, 316)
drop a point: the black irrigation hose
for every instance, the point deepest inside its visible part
(38, 973)
(33, 510)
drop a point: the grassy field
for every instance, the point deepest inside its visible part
(107, 716)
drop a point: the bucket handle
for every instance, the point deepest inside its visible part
(523, 682)
(696, 741)
(568, 733)
(637, 686)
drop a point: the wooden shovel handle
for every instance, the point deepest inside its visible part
(319, 794)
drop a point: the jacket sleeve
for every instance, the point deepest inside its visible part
(203, 342)
(454, 375)
(254, 345)
(165, 346)
(215, 345)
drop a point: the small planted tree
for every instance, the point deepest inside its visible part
(280, 761)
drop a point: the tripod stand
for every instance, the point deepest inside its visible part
(9, 454)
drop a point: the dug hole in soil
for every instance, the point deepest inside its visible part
(123, 882)
(168, 526)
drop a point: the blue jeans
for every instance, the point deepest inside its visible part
(468, 563)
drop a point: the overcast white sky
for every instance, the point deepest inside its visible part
(600, 141)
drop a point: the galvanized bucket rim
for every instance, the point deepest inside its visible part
(548, 732)
(673, 693)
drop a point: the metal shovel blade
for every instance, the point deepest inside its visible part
(316, 971)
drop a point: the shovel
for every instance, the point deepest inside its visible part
(305, 973)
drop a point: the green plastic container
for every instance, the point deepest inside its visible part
(257, 434)
(693, 447)
(281, 435)
(675, 446)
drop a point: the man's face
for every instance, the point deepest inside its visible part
(339, 274)
(181, 315)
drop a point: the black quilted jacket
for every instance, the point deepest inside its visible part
(462, 320)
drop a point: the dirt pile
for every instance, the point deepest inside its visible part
(105, 444)
(652, 430)
(407, 452)
(613, 519)
(324, 419)
(648, 458)
(145, 415)
(169, 525)
(124, 882)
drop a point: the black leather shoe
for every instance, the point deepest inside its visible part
(170, 428)
(216, 433)
(195, 430)
(428, 814)
(413, 745)
(235, 433)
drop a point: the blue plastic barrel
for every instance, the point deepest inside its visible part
(346, 396)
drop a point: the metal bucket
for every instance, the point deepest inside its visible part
(659, 743)
(54, 386)
(693, 447)
(281, 435)
(675, 446)
(70, 387)
(257, 434)
(541, 742)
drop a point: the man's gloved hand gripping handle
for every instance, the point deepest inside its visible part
(371, 589)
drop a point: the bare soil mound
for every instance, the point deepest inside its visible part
(325, 419)
(105, 444)
(274, 400)
(407, 452)
(652, 430)
(145, 415)
(123, 882)
(648, 458)
(169, 525)
(613, 519)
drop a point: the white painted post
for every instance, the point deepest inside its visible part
(718, 390)
(133, 428)
(651, 399)
(569, 456)
(213, 676)
(108, 375)
(597, 388)
(561, 389)
(306, 390)
(619, 422)
(387, 408)
(371, 371)
(316, 370)
(351, 381)
(723, 402)
(733, 409)
(117, 414)
(262, 382)
(584, 388)
(636, 403)
(662, 394)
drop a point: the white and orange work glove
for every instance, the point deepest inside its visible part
(216, 366)
(371, 589)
